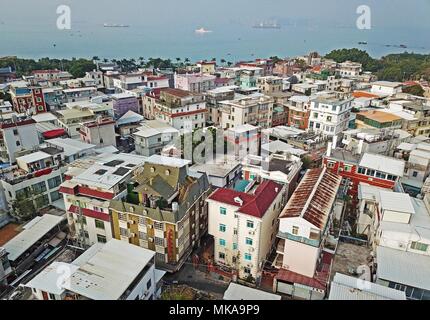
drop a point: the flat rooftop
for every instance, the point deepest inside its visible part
(106, 271)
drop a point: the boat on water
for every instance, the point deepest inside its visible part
(267, 25)
(202, 30)
(362, 42)
(403, 46)
(114, 25)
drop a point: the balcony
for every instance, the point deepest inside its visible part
(289, 236)
(281, 246)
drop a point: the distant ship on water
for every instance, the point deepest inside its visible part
(202, 30)
(267, 25)
(114, 25)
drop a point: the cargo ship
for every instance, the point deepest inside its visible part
(267, 25)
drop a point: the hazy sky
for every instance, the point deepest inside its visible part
(171, 13)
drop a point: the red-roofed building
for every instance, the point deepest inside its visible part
(244, 225)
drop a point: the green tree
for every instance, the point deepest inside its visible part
(416, 90)
(23, 208)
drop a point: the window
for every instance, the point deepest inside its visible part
(101, 239)
(159, 241)
(330, 164)
(248, 257)
(295, 230)
(18, 143)
(51, 296)
(221, 255)
(235, 231)
(158, 225)
(222, 242)
(222, 227)
(234, 246)
(39, 187)
(248, 241)
(123, 232)
(250, 224)
(347, 168)
(419, 246)
(415, 174)
(148, 284)
(247, 270)
(122, 216)
(15, 132)
(222, 211)
(99, 224)
(142, 235)
(54, 182)
(55, 196)
(361, 170)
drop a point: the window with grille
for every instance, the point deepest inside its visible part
(159, 241)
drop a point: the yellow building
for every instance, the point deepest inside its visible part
(164, 211)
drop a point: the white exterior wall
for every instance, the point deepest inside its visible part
(141, 290)
(90, 225)
(299, 257)
(11, 189)
(27, 137)
(385, 90)
(262, 234)
(402, 241)
(94, 134)
(37, 293)
(339, 118)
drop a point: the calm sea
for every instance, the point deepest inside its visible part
(228, 41)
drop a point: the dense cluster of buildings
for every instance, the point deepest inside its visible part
(303, 157)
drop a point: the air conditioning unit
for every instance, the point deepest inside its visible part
(251, 233)
(401, 245)
(251, 249)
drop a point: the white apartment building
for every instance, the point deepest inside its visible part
(37, 175)
(244, 226)
(153, 136)
(196, 83)
(243, 140)
(329, 115)
(255, 109)
(119, 271)
(100, 132)
(349, 69)
(386, 88)
(305, 222)
(87, 192)
(280, 168)
(16, 138)
(181, 109)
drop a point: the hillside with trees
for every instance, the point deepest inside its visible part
(393, 67)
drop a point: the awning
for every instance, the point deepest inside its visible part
(54, 133)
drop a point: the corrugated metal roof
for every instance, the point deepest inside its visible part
(408, 268)
(345, 287)
(35, 230)
(395, 201)
(314, 197)
(382, 163)
(238, 292)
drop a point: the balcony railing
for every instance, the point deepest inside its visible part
(289, 236)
